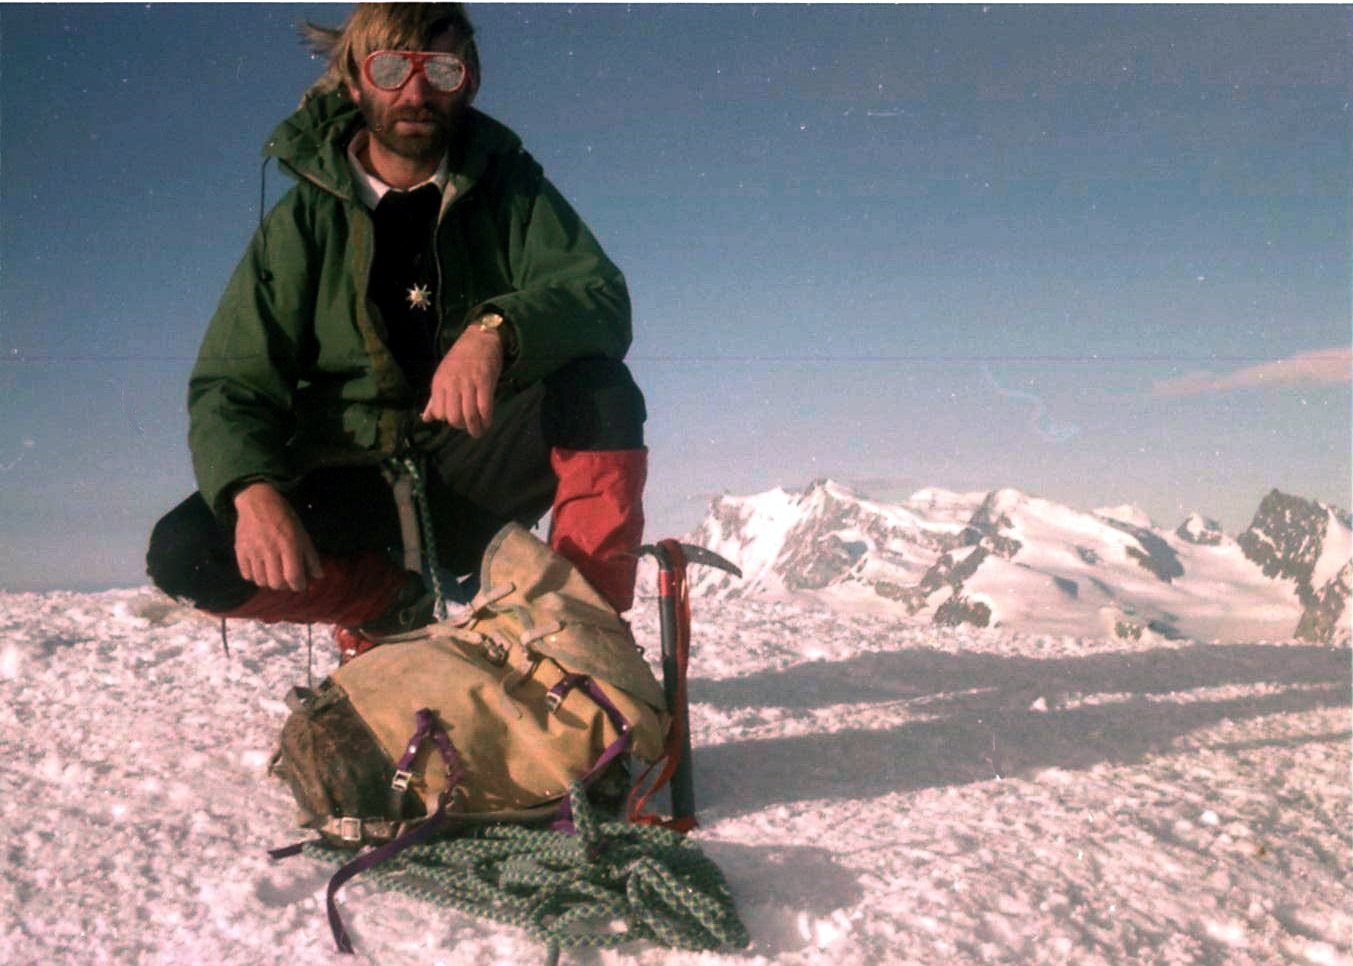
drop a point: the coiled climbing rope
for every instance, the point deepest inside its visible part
(573, 890)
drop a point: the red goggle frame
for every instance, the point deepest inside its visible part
(389, 70)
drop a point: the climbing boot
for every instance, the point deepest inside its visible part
(414, 607)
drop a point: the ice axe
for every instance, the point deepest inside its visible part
(675, 624)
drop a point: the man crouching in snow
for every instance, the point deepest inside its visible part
(422, 313)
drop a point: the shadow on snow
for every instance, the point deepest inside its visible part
(977, 715)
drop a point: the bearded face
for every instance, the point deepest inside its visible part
(418, 131)
(416, 120)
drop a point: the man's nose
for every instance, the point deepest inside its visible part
(416, 89)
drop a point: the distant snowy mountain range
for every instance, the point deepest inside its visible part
(1008, 559)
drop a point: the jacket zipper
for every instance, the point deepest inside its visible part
(403, 429)
(437, 261)
(403, 433)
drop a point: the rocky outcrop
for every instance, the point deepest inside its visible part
(1007, 559)
(1153, 554)
(815, 563)
(1327, 618)
(1200, 530)
(959, 610)
(989, 524)
(950, 570)
(1286, 538)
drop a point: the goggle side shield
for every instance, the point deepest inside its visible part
(389, 70)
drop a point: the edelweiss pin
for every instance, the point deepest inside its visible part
(419, 296)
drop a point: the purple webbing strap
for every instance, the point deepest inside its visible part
(426, 722)
(455, 772)
(563, 818)
(560, 691)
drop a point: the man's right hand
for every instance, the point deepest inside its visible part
(271, 544)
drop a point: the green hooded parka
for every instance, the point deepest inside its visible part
(294, 371)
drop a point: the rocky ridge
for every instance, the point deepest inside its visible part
(1006, 558)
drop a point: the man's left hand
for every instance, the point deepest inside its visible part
(463, 385)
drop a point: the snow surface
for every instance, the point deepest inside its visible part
(876, 793)
(1128, 513)
(1220, 595)
(1334, 552)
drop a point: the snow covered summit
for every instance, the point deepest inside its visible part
(1007, 558)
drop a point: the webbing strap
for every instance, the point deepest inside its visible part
(401, 488)
(563, 818)
(426, 723)
(428, 727)
(485, 599)
(671, 585)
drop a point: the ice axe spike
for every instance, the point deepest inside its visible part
(673, 669)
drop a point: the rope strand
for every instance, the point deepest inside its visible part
(429, 538)
(572, 890)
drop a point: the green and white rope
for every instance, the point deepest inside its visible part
(573, 890)
(429, 538)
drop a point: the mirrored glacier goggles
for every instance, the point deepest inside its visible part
(389, 70)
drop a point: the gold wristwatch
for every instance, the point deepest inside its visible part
(490, 322)
(493, 322)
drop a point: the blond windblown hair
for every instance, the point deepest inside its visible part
(385, 26)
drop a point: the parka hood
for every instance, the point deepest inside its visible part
(312, 143)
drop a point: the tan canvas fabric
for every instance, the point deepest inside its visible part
(487, 678)
(546, 588)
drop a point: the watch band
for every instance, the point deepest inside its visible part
(494, 322)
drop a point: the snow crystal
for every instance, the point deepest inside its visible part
(11, 661)
(1229, 933)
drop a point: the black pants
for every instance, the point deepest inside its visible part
(474, 487)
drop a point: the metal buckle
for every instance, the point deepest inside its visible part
(553, 700)
(350, 829)
(400, 782)
(495, 653)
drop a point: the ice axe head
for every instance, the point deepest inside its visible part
(692, 553)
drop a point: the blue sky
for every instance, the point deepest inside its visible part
(963, 246)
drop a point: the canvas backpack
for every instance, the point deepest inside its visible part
(486, 718)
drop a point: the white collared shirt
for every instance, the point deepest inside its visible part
(370, 189)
